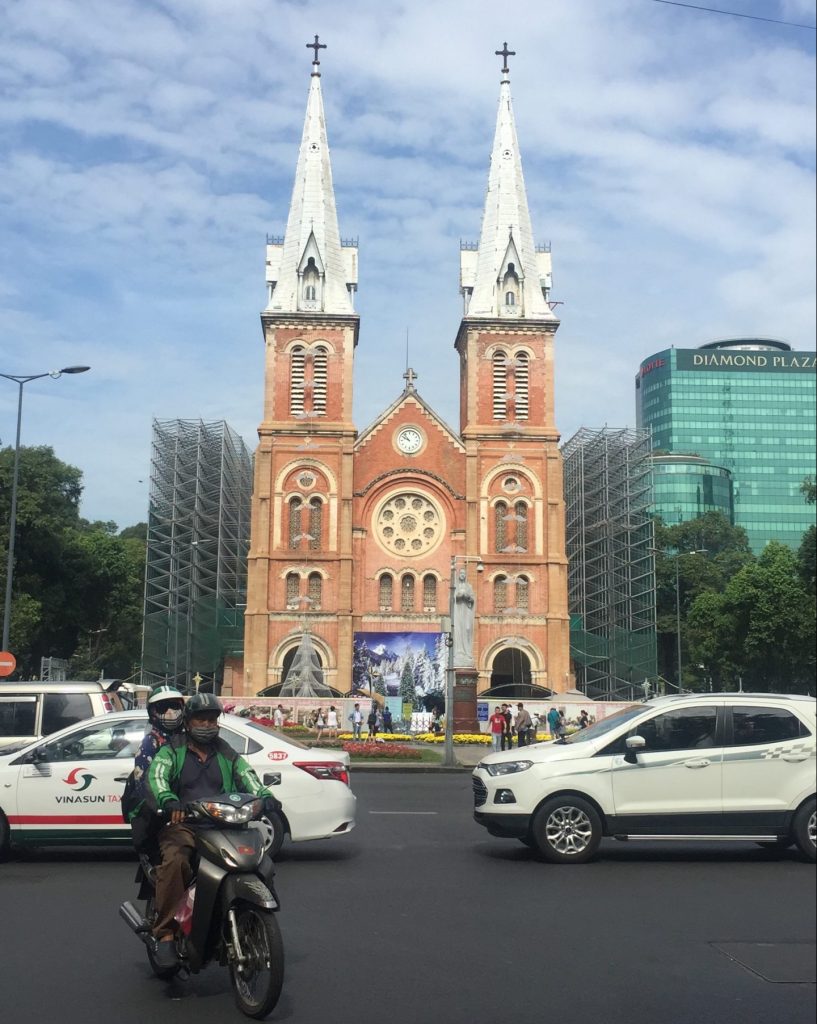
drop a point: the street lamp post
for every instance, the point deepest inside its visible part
(21, 381)
(696, 551)
(448, 746)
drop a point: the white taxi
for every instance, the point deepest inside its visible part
(67, 789)
(698, 767)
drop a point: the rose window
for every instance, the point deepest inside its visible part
(409, 524)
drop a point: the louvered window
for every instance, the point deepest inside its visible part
(386, 589)
(293, 590)
(522, 592)
(315, 523)
(295, 507)
(500, 385)
(500, 594)
(500, 526)
(407, 594)
(315, 591)
(521, 385)
(429, 593)
(521, 513)
(296, 381)
(319, 379)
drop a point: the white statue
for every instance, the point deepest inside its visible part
(464, 602)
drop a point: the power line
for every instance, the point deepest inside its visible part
(736, 14)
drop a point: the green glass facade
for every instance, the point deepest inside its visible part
(685, 487)
(748, 407)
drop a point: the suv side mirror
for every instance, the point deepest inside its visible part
(633, 745)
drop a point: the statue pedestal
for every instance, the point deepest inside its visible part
(465, 700)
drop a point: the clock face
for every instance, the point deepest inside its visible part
(409, 440)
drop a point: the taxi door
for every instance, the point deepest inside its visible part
(69, 787)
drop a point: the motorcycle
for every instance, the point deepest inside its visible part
(227, 913)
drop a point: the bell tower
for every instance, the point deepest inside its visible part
(299, 564)
(515, 514)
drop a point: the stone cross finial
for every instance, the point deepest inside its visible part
(409, 377)
(504, 53)
(316, 46)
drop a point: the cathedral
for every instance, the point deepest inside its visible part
(357, 536)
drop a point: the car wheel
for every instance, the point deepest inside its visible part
(804, 829)
(567, 830)
(5, 837)
(276, 825)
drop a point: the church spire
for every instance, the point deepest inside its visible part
(309, 270)
(506, 275)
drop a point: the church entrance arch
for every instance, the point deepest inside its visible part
(511, 677)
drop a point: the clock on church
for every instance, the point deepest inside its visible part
(409, 440)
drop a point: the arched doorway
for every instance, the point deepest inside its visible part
(511, 677)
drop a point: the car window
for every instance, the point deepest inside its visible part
(17, 716)
(237, 742)
(679, 729)
(101, 741)
(63, 709)
(751, 725)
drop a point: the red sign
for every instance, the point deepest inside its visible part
(8, 663)
(277, 755)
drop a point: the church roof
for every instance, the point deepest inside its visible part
(409, 394)
(506, 236)
(312, 226)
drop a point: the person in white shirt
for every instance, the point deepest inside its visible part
(279, 717)
(332, 722)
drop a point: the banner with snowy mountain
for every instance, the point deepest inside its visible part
(406, 665)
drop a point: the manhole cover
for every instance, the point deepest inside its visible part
(779, 962)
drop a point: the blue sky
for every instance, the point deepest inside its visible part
(149, 146)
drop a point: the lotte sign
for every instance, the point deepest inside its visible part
(8, 663)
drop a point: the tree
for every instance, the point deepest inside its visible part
(808, 488)
(408, 694)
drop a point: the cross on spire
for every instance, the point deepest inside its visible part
(504, 53)
(316, 46)
(409, 377)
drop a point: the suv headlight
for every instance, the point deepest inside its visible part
(507, 767)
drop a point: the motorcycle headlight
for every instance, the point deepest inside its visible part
(507, 767)
(229, 813)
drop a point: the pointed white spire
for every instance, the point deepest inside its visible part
(309, 270)
(506, 276)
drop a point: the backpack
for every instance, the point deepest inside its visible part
(131, 801)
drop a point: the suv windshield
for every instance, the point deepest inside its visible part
(593, 732)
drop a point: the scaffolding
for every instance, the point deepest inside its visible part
(198, 539)
(611, 561)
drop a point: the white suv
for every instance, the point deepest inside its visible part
(700, 767)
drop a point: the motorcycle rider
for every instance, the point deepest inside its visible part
(165, 708)
(195, 764)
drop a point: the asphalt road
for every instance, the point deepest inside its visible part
(419, 916)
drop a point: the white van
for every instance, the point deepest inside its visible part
(31, 710)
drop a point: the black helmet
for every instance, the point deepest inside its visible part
(201, 703)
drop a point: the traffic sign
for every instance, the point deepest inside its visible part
(8, 663)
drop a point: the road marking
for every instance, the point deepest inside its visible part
(403, 812)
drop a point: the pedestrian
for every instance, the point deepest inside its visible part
(320, 725)
(387, 722)
(332, 722)
(523, 724)
(584, 719)
(496, 724)
(371, 723)
(507, 735)
(534, 726)
(435, 725)
(279, 717)
(356, 718)
(554, 719)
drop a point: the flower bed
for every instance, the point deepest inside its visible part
(459, 737)
(383, 751)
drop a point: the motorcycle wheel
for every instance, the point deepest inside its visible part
(258, 982)
(163, 973)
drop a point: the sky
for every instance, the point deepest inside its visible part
(148, 147)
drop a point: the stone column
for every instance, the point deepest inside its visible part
(465, 700)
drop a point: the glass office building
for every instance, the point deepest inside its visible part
(746, 406)
(687, 486)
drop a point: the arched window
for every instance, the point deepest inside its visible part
(429, 593)
(296, 380)
(315, 523)
(510, 286)
(295, 506)
(386, 590)
(522, 593)
(521, 385)
(520, 510)
(311, 284)
(293, 582)
(500, 384)
(407, 594)
(315, 588)
(500, 526)
(320, 362)
(510, 299)
(500, 594)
